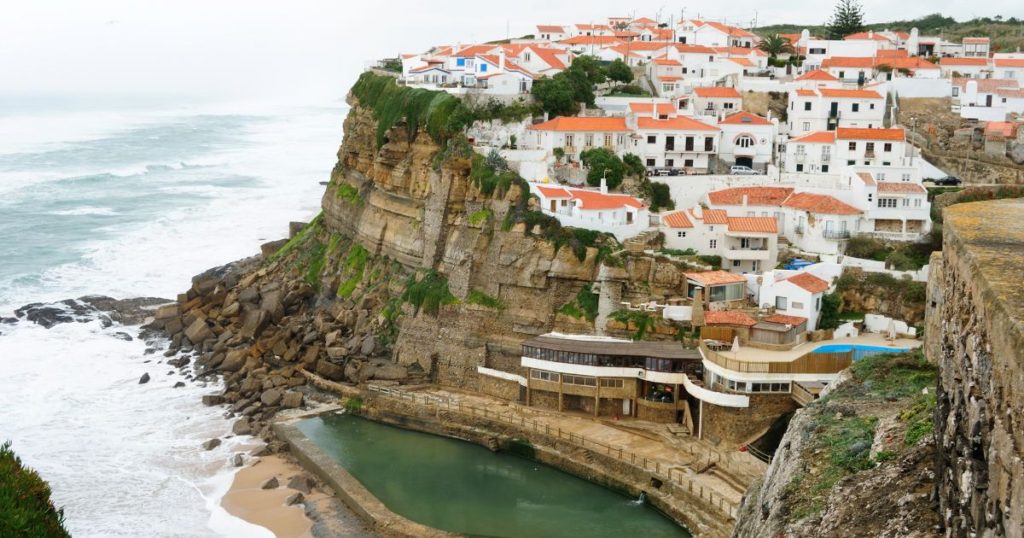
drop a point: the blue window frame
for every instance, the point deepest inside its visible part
(460, 61)
(483, 68)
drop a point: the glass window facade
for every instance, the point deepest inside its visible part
(615, 361)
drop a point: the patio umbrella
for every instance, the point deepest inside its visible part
(735, 344)
(892, 329)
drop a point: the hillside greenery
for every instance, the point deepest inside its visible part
(26, 510)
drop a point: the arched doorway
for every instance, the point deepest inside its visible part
(745, 161)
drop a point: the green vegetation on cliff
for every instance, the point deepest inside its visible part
(26, 510)
(478, 297)
(584, 305)
(428, 293)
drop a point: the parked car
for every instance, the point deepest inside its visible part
(743, 171)
(951, 181)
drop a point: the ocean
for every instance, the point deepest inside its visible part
(131, 200)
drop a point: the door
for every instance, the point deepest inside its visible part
(670, 143)
(553, 202)
(988, 100)
(625, 407)
(745, 161)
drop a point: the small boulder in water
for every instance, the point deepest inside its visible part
(301, 483)
(294, 499)
(123, 336)
(179, 384)
(144, 379)
(237, 460)
(211, 444)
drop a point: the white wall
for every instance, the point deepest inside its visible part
(918, 87)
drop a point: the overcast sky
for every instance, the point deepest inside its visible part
(305, 49)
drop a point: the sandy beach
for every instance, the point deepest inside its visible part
(266, 507)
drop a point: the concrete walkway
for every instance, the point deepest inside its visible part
(752, 354)
(735, 470)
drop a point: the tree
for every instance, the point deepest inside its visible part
(660, 196)
(775, 44)
(555, 96)
(848, 18)
(634, 166)
(603, 164)
(829, 318)
(618, 71)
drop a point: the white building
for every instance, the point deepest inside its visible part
(716, 101)
(618, 214)
(577, 134)
(793, 294)
(713, 34)
(747, 140)
(825, 109)
(552, 32)
(676, 142)
(745, 244)
(966, 67)
(987, 99)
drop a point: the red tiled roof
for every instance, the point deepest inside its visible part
(808, 282)
(678, 123)
(906, 63)
(766, 225)
(728, 317)
(724, 28)
(745, 118)
(1009, 62)
(693, 49)
(714, 278)
(848, 61)
(867, 35)
(975, 40)
(866, 177)
(474, 50)
(677, 219)
(596, 200)
(820, 203)
(980, 62)
(717, 91)
(740, 51)
(767, 196)
(647, 108)
(745, 62)
(817, 137)
(666, 61)
(806, 93)
(554, 192)
(550, 28)
(855, 133)
(843, 92)
(714, 216)
(883, 53)
(817, 74)
(784, 319)
(577, 124)
(895, 186)
(591, 40)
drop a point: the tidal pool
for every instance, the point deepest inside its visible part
(461, 487)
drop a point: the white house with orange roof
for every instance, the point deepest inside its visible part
(714, 34)
(576, 134)
(716, 101)
(618, 214)
(678, 142)
(832, 152)
(895, 207)
(745, 244)
(1008, 65)
(817, 79)
(539, 59)
(552, 32)
(976, 47)
(793, 294)
(953, 67)
(747, 140)
(825, 109)
(987, 99)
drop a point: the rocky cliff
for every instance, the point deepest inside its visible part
(422, 266)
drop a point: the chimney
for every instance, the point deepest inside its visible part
(745, 200)
(871, 34)
(604, 186)
(501, 59)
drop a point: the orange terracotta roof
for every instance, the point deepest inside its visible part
(820, 203)
(740, 51)
(867, 35)
(677, 219)
(980, 62)
(900, 53)
(666, 61)
(856, 133)
(987, 85)
(896, 186)
(906, 63)
(745, 62)
(818, 137)
(576, 124)
(808, 282)
(848, 61)
(745, 118)
(550, 29)
(867, 178)
(554, 192)
(428, 67)
(474, 50)
(715, 278)
(593, 26)
(647, 108)
(765, 225)
(817, 74)
(849, 93)
(669, 78)
(591, 200)
(724, 28)
(975, 40)
(678, 123)
(714, 216)
(717, 91)
(1009, 62)
(766, 196)
(785, 320)
(693, 49)
(591, 40)
(728, 317)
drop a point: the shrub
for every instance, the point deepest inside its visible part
(829, 311)
(25, 506)
(478, 297)
(349, 193)
(634, 166)
(642, 320)
(659, 195)
(714, 261)
(603, 164)
(428, 293)
(442, 115)
(618, 71)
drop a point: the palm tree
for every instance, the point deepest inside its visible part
(774, 45)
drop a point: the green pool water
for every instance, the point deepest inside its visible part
(461, 487)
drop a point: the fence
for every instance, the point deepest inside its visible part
(810, 363)
(663, 471)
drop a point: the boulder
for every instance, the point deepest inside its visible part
(301, 483)
(179, 384)
(271, 397)
(249, 295)
(213, 399)
(237, 460)
(329, 370)
(211, 444)
(144, 379)
(270, 484)
(369, 345)
(291, 399)
(234, 360)
(198, 331)
(123, 336)
(231, 310)
(294, 498)
(166, 312)
(253, 323)
(260, 451)
(241, 427)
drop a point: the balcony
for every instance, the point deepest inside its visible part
(799, 230)
(870, 154)
(745, 254)
(836, 234)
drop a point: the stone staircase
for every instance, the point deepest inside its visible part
(639, 243)
(609, 297)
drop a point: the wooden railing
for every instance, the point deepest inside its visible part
(664, 471)
(809, 363)
(801, 395)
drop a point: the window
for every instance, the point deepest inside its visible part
(735, 263)
(856, 107)
(906, 202)
(670, 162)
(483, 68)
(917, 202)
(652, 139)
(887, 202)
(781, 303)
(611, 383)
(798, 305)
(709, 143)
(745, 242)
(801, 149)
(887, 147)
(807, 105)
(713, 244)
(842, 74)
(807, 126)
(905, 177)
(460, 61)
(569, 140)
(870, 196)
(680, 234)
(872, 106)
(956, 91)
(541, 374)
(651, 162)
(607, 140)
(824, 168)
(817, 303)
(799, 168)
(688, 163)
(745, 141)
(852, 146)
(588, 140)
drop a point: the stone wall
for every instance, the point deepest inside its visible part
(499, 388)
(735, 425)
(979, 424)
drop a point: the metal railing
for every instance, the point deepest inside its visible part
(836, 234)
(664, 471)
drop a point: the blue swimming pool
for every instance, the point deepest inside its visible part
(859, 350)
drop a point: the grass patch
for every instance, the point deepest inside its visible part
(428, 293)
(25, 505)
(584, 305)
(354, 266)
(895, 375)
(300, 238)
(349, 194)
(643, 321)
(354, 405)
(919, 418)
(477, 218)
(478, 297)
